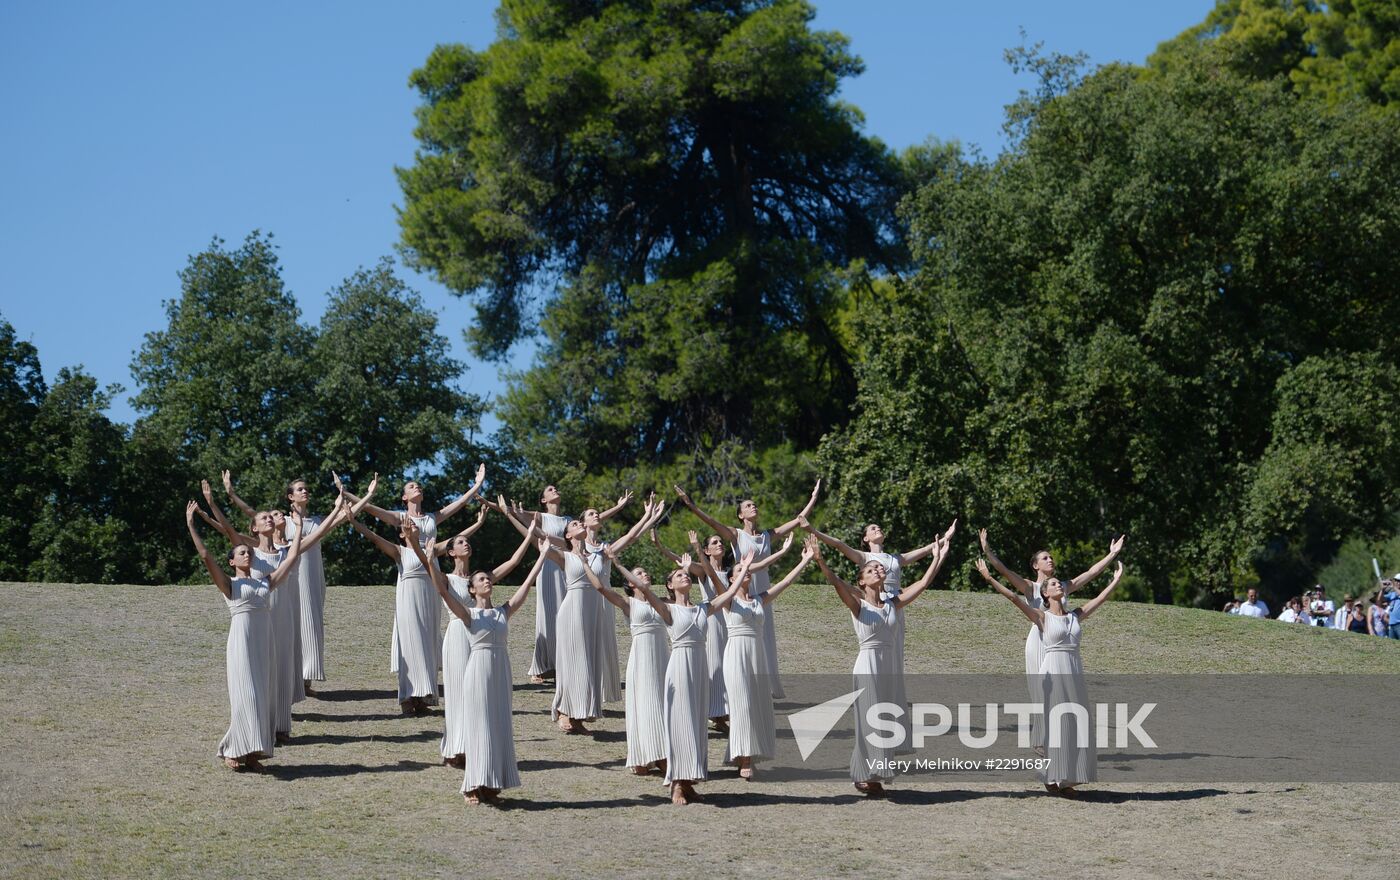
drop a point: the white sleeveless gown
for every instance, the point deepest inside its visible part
(759, 581)
(646, 683)
(248, 668)
(686, 699)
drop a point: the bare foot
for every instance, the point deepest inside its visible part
(472, 798)
(870, 789)
(565, 723)
(537, 679)
(1040, 750)
(254, 765)
(720, 725)
(457, 762)
(1052, 788)
(283, 738)
(232, 764)
(641, 771)
(746, 770)
(489, 795)
(691, 795)
(678, 794)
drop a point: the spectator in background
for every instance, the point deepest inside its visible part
(1342, 619)
(1394, 599)
(1290, 610)
(1232, 607)
(1321, 608)
(1379, 616)
(1357, 621)
(1252, 606)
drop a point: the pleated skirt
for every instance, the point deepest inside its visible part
(1073, 756)
(311, 579)
(490, 737)
(456, 650)
(715, 640)
(646, 685)
(1035, 684)
(874, 676)
(686, 701)
(248, 667)
(605, 644)
(770, 649)
(549, 594)
(577, 691)
(416, 620)
(752, 731)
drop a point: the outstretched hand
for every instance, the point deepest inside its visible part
(982, 567)
(680, 493)
(954, 527)
(1117, 575)
(787, 542)
(208, 492)
(982, 539)
(626, 497)
(685, 562)
(228, 480)
(481, 472)
(1117, 546)
(802, 523)
(190, 508)
(810, 548)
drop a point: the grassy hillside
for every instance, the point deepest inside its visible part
(114, 702)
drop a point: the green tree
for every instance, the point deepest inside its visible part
(674, 188)
(1336, 51)
(1164, 312)
(22, 391)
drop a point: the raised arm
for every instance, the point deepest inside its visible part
(439, 580)
(696, 569)
(384, 546)
(514, 602)
(389, 517)
(440, 547)
(1097, 568)
(809, 549)
(920, 553)
(218, 574)
(1093, 604)
(844, 591)
(1035, 615)
(465, 497)
(835, 543)
(654, 511)
(761, 564)
(613, 511)
(741, 572)
(510, 564)
(279, 574)
(219, 521)
(728, 533)
(1020, 583)
(332, 520)
(233, 496)
(911, 592)
(609, 594)
(802, 514)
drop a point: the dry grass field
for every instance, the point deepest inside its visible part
(114, 702)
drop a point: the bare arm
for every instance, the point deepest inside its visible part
(279, 574)
(835, 543)
(440, 547)
(808, 551)
(388, 549)
(728, 533)
(219, 576)
(616, 508)
(602, 588)
(1035, 615)
(651, 518)
(771, 558)
(389, 517)
(802, 514)
(911, 592)
(514, 602)
(741, 573)
(1020, 583)
(233, 496)
(844, 591)
(1097, 568)
(695, 569)
(916, 555)
(1093, 604)
(510, 564)
(439, 580)
(465, 497)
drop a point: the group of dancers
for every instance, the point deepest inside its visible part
(720, 669)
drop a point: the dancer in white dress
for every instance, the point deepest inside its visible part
(873, 537)
(581, 665)
(684, 700)
(490, 759)
(876, 670)
(646, 671)
(752, 728)
(248, 651)
(1069, 719)
(456, 643)
(717, 632)
(1043, 564)
(549, 592)
(268, 552)
(748, 537)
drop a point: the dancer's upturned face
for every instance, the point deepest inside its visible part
(591, 520)
(1045, 564)
(481, 586)
(872, 574)
(242, 556)
(874, 534)
(412, 492)
(262, 522)
(461, 548)
(550, 495)
(642, 575)
(299, 494)
(573, 529)
(1053, 589)
(748, 510)
(715, 547)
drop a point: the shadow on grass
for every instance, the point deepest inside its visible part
(535, 806)
(327, 771)
(350, 696)
(1100, 796)
(364, 716)
(336, 739)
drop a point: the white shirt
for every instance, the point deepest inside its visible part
(1253, 609)
(1288, 616)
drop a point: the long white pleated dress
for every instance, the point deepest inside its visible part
(646, 684)
(752, 732)
(577, 691)
(716, 637)
(686, 697)
(762, 545)
(874, 675)
(311, 583)
(456, 648)
(549, 593)
(490, 737)
(1035, 683)
(605, 641)
(892, 564)
(248, 667)
(427, 536)
(416, 605)
(1074, 759)
(285, 665)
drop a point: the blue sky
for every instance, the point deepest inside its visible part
(137, 132)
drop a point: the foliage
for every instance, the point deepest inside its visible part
(22, 391)
(1161, 313)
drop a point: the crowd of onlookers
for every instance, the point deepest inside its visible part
(1377, 614)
